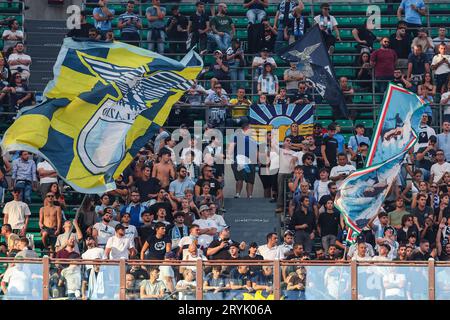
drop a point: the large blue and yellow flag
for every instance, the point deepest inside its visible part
(362, 194)
(105, 102)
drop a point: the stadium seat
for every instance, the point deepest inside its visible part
(366, 123)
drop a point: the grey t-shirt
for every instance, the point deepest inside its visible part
(157, 24)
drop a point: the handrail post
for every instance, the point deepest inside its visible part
(199, 280)
(354, 279)
(45, 277)
(276, 280)
(431, 280)
(122, 281)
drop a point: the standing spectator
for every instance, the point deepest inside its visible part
(422, 211)
(24, 175)
(129, 25)
(20, 95)
(303, 95)
(223, 28)
(178, 186)
(400, 42)
(346, 89)
(9, 236)
(427, 84)
(328, 225)
(287, 159)
(268, 82)
(12, 35)
(329, 147)
(102, 231)
(135, 208)
(340, 172)
(441, 67)
(47, 176)
(364, 74)
(179, 229)
(240, 106)
(283, 19)
(217, 102)
(147, 228)
(85, 27)
(356, 139)
(236, 62)
(296, 139)
(164, 170)
(425, 132)
(417, 66)
(208, 227)
(364, 37)
(383, 61)
(328, 24)
(396, 216)
(17, 214)
(304, 223)
(19, 62)
(198, 27)
(267, 38)
(443, 139)
(445, 102)
(177, 31)
(438, 169)
(298, 26)
(214, 184)
(103, 17)
(256, 10)
(153, 288)
(292, 78)
(426, 42)
(414, 10)
(221, 69)
(258, 64)
(269, 251)
(321, 185)
(157, 34)
(441, 39)
(63, 238)
(157, 244)
(147, 186)
(119, 246)
(400, 80)
(285, 249)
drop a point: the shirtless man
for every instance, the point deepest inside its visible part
(164, 170)
(50, 219)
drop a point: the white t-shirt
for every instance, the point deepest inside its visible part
(62, 239)
(16, 211)
(326, 22)
(205, 239)
(321, 189)
(444, 97)
(268, 253)
(104, 233)
(197, 155)
(131, 233)
(438, 170)
(8, 43)
(443, 68)
(220, 221)
(17, 33)
(119, 247)
(286, 157)
(17, 56)
(394, 279)
(93, 254)
(424, 133)
(337, 170)
(18, 281)
(166, 271)
(46, 166)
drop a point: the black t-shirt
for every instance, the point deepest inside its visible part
(331, 148)
(399, 82)
(166, 205)
(329, 223)
(419, 256)
(401, 47)
(199, 22)
(181, 21)
(299, 218)
(83, 32)
(367, 35)
(255, 5)
(218, 72)
(418, 63)
(300, 95)
(254, 269)
(145, 231)
(311, 174)
(239, 279)
(421, 215)
(151, 186)
(296, 139)
(427, 160)
(222, 254)
(157, 248)
(213, 183)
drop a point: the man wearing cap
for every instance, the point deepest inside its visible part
(259, 62)
(208, 227)
(221, 69)
(222, 27)
(356, 139)
(17, 213)
(219, 248)
(147, 228)
(119, 246)
(414, 10)
(328, 24)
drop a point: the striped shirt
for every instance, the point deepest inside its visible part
(134, 18)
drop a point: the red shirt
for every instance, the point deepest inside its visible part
(384, 60)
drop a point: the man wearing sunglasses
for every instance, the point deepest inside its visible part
(50, 221)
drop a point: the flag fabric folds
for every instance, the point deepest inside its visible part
(314, 62)
(106, 101)
(362, 194)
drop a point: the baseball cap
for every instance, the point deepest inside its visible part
(217, 51)
(226, 227)
(264, 49)
(360, 239)
(204, 207)
(287, 232)
(119, 226)
(331, 126)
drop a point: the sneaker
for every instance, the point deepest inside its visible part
(331, 50)
(237, 195)
(250, 196)
(279, 210)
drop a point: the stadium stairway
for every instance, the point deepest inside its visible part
(251, 219)
(44, 39)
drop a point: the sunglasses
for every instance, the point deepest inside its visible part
(50, 196)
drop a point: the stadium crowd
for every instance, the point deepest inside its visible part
(169, 205)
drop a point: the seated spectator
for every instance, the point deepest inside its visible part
(364, 37)
(362, 251)
(441, 67)
(157, 34)
(236, 62)
(303, 94)
(240, 282)
(263, 281)
(129, 25)
(19, 62)
(292, 78)
(103, 17)
(153, 288)
(147, 186)
(281, 98)
(438, 169)
(62, 239)
(94, 34)
(328, 24)
(400, 42)
(198, 27)
(11, 36)
(340, 172)
(217, 102)
(441, 39)
(223, 28)
(109, 37)
(383, 251)
(364, 72)
(178, 186)
(425, 42)
(255, 10)
(268, 82)
(104, 204)
(346, 89)
(177, 31)
(417, 66)
(240, 106)
(194, 95)
(413, 10)
(283, 18)
(400, 80)
(221, 69)
(217, 283)
(19, 92)
(85, 27)
(422, 253)
(383, 61)
(208, 227)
